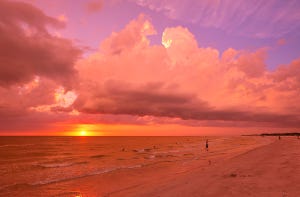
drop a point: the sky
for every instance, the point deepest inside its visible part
(138, 67)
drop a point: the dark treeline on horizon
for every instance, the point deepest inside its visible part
(276, 134)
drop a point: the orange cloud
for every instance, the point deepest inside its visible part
(179, 79)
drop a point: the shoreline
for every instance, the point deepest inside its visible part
(269, 170)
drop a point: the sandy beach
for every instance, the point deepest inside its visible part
(271, 170)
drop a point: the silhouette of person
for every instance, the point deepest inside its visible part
(279, 137)
(206, 144)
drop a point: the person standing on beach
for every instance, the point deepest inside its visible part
(206, 144)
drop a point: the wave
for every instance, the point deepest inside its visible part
(150, 157)
(74, 193)
(15, 145)
(59, 165)
(169, 151)
(98, 172)
(14, 186)
(50, 181)
(98, 156)
(142, 150)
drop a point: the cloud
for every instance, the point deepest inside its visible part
(281, 42)
(94, 6)
(116, 99)
(28, 49)
(129, 80)
(154, 100)
(32, 94)
(34, 63)
(256, 18)
(183, 81)
(132, 36)
(62, 18)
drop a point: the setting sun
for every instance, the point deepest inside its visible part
(83, 133)
(84, 130)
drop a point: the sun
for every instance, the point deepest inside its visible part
(84, 130)
(83, 133)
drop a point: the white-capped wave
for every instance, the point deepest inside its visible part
(58, 165)
(15, 145)
(97, 172)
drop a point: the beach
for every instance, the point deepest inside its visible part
(169, 166)
(270, 170)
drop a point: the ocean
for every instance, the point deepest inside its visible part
(50, 166)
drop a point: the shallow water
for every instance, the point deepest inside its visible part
(34, 161)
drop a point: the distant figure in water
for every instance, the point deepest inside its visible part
(279, 137)
(206, 144)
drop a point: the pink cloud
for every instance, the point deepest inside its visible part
(28, 50)
(131, 37)
(62, 18)
(281, 42)
(33, 63)
(179, 79)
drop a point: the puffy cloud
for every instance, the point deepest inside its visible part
(39, 92)
(27, 48)
(179, 79)
(34, 64)
(133, 36)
